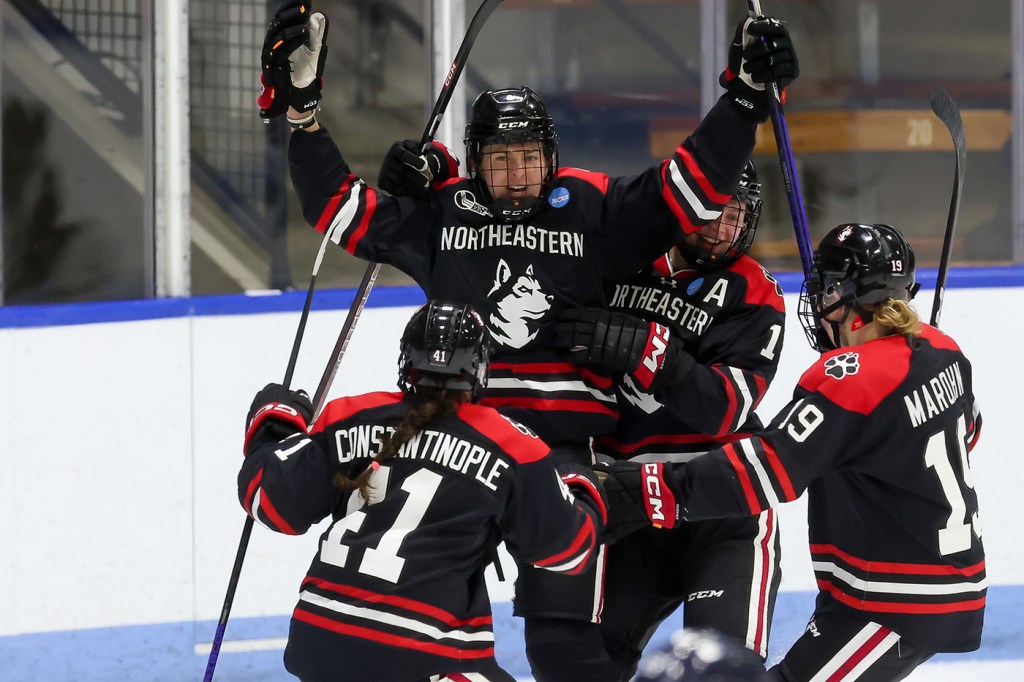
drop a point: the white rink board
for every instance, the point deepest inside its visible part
(122, 442)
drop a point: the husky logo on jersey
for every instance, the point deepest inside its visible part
(465, 200)
(516, 302)
(843, 365)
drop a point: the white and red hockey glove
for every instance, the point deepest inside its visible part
(292, 60)
(622, 343)
(276, 413)
(638, 497)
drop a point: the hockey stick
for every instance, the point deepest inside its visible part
(947, 110)
(369, 277)
(243, 541)
(358, 303)
(786, 162)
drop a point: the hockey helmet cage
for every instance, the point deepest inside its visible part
(510, 116)
(445, 345)
(855, 265)
(703, 256)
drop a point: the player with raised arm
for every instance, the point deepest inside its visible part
(523, 238)
(422, 485)
(878, 433)
(719, 318)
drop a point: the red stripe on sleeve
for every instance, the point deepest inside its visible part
(327, 217)
(274, 517)
(370, 196)
(780, 471)
(730, 394)
(586, 535)
(698, 175)
(250, 491)
(744, 477)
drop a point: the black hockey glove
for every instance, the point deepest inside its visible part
(622, 343)
(638, 498)
(275, 414)
(584, 484)
(761, 52)
(294, 52)
(406, 172)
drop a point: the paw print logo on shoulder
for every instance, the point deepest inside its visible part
(842, 365)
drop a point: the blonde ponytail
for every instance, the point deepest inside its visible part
(897, 317)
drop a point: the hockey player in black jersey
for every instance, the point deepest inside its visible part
(719, 317)
(421, 486)
(878, 433)
(523, 238)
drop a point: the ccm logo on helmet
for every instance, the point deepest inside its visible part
(659, 501)
(507, 125)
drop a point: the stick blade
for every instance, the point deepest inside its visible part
(949, 113)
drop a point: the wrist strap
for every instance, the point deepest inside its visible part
(302, 123)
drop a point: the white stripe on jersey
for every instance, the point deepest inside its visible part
(256, 509)
(680, 184)
(762, 474)
(550, 387)
(568, 565)
(382, 617)
(342, 222)
(667, 456)
(598, 602)
(764, 562)
(744, 397)
(898, 588)
(852, 647)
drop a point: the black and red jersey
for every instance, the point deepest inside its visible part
(879, 435)
(406, 570)
(731, 321)
(592, 230)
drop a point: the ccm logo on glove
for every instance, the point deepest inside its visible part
(659, 501)
(653, 358)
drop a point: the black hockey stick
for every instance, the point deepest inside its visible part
(370, 276)
(358, 303)
(243, 541)
(947, 110)
(788, 165)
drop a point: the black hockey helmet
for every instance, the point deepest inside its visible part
(445, 345)
(701, 655)
(510, 116)
(855, 265)
(699, 254)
